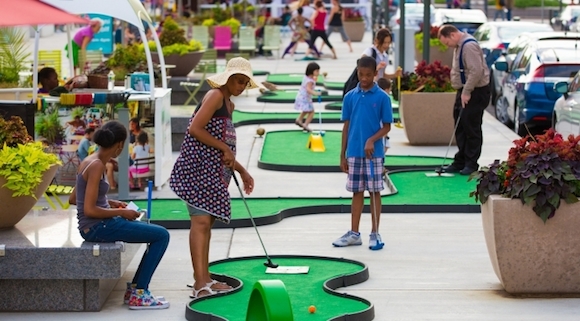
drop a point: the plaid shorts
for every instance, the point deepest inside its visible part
(359, 174)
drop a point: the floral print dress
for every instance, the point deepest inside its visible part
(303, 100)
(199, 176)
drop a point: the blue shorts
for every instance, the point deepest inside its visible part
(359, 174)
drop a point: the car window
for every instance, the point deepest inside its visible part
(485, 34)
(506, 34)
(525, 59)
(575, 84)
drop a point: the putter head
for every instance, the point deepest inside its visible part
(270, 264)
(439, 170)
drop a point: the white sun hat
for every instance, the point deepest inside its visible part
(237, 65)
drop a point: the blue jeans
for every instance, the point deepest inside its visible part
(119, 229)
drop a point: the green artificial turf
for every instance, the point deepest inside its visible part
(414, 188)
(290, 79)
(239, 116)
(289, 96)
(289, 148)
(304, 290)
(338, 104)
(334, 85)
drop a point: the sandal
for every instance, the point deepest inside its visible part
(196, 293)
(213, 282)
(299, 124)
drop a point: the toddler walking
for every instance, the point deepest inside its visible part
(303, 101)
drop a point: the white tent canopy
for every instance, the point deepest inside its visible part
(131, 11)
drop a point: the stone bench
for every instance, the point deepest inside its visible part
(45, 265)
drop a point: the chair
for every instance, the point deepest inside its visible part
(93, 57)
(201, 34)
(208, 62)
(230, 55)
(193, 87)
(247, 40)
(187, 28)
(222, 38)
(51, 58)
(143, 162)
(272, 38)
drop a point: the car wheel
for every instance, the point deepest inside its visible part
(501, 111)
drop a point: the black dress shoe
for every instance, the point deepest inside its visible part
(451, 169)
(467, 171)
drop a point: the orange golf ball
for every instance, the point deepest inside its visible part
(311, 309)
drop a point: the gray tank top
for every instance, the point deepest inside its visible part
(102, 201)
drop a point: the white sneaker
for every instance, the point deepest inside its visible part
(349, 238)
(376, 242)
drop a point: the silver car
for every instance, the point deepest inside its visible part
(566, 117)
(413, 16)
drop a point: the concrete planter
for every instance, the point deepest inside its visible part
(446, 57)
(528, 256)
(427, 117)
(355, 30)
(15, 208)
(184, 64)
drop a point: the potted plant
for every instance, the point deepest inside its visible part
(354, 24)
(437, 50)
(48, 126)
(530, 214)
(233, 23)
(26, 170)
(177, 51)
(427, 111)
(13, 57)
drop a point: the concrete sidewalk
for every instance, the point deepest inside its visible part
(433, 266)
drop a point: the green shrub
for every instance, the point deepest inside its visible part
(233, 23)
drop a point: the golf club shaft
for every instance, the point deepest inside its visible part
(320, 114)
(250, 214)
(452, 136)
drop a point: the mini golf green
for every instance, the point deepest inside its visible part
(415, 193)
(334, 85)
(303, 290)
(290, 79)
(338, 105)
(286, 150)
(289, 96)
(260, 72)
(246, 117)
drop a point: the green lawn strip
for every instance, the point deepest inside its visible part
(244, 116)
(414, 188)
(304, 290)
(289, 148)
(338, 104)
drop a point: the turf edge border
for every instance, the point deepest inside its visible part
(329, 286)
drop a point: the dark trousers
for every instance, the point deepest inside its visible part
(468, 135)
(314, 34)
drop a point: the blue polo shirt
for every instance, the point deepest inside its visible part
(366, 112)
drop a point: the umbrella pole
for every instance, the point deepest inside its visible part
(71, 64)
(35, 65)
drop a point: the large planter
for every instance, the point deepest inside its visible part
(427, 117)
(184, 64)
(446, 57)
(13, 209)
(528, 256)
(355, 30)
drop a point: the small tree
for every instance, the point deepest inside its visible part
(171, 33)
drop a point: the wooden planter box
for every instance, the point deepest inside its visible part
(355, 30)
(15, 208)
(528, 256)
(427, 117)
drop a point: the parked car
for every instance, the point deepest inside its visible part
(510, 53)
(495, 36)
(566, 115)
(566, 18)
(414, 13)
(467, 20)
(528, 88)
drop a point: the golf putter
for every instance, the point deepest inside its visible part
(269, 262)
(379, 245)
(439, 172)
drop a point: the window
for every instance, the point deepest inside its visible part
(525, 59)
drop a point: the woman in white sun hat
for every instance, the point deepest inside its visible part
(205, 165)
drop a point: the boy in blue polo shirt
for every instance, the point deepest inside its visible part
(367, 115)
